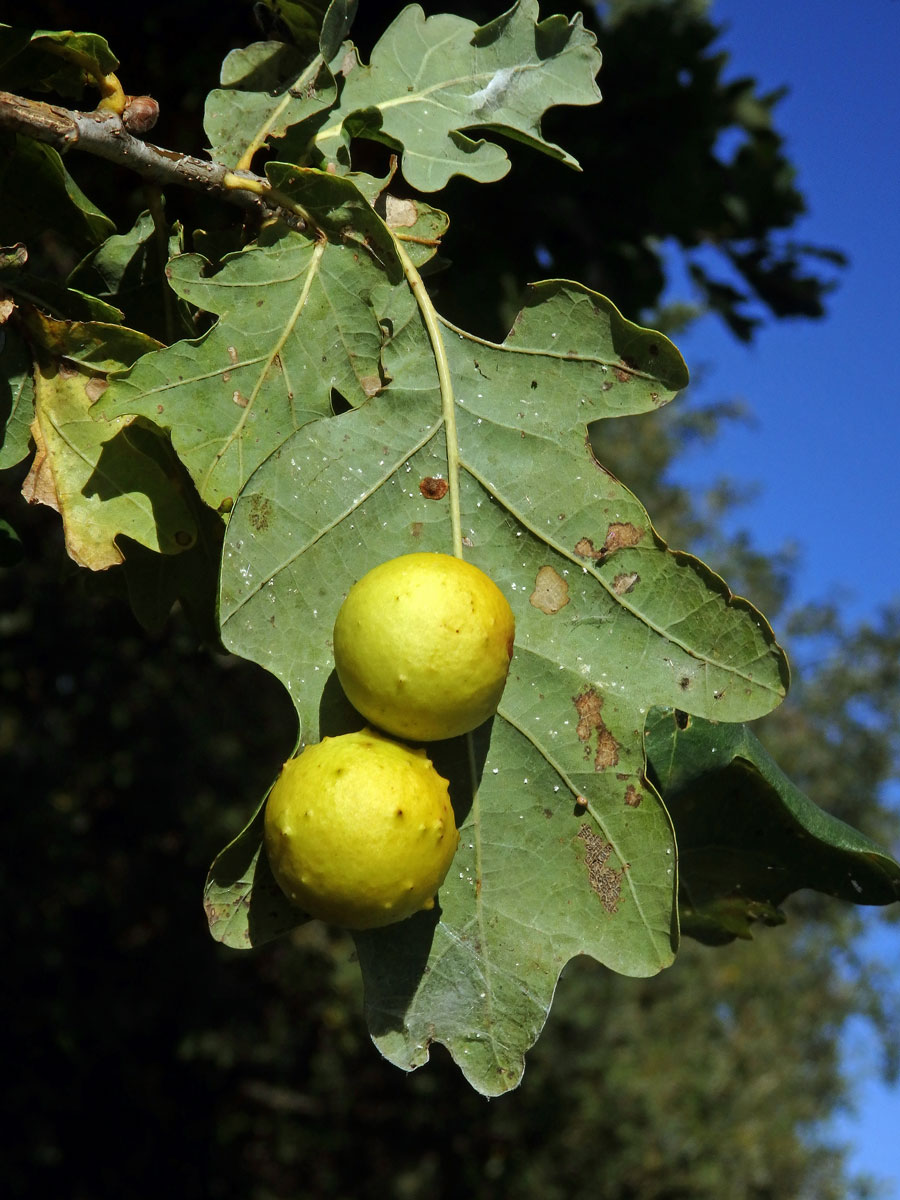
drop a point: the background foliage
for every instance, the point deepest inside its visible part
(216, 1074)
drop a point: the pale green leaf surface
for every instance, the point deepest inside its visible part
(432, 79)
(295, 321)
(618, 624)
(340, 206)
(267, 89)
(416, 224)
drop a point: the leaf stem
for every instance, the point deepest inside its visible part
(156, 208)
(102, 133)
(259, 187)
(448, 401)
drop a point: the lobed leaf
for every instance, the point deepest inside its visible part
(127, 271)
(62, 61)
(104, 478)
(565, 846)
(433, 79)
(267, 89)
(296, 323)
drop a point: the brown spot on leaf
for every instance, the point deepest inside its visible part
(605, 881)
(370, 384)
(585, 548)
(416, 529)
(94, 388)
(621, 535)
(551, 591)
(400, 213)
(233, 355)
(433, 487)
(588, 705)
(625, 582)
(260, 513)
(607, 750)
(590, 723)
(633, 797)
(240, 401)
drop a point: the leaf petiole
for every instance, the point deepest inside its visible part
(448, 400)
(273, 197)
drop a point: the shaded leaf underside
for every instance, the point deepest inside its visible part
(747, 836)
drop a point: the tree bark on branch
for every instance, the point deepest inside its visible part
(104, 134)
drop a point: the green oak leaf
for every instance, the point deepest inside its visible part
(104, 478)
(62, 61)
(268, 89)
(314, 23)
(298, 322)
(747, 836)
(565, 847)
(53, 298)
(127, 271)
(432, 80)
(155, 581)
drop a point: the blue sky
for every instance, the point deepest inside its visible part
(826, 395)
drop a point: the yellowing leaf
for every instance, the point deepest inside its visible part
(103, 477)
